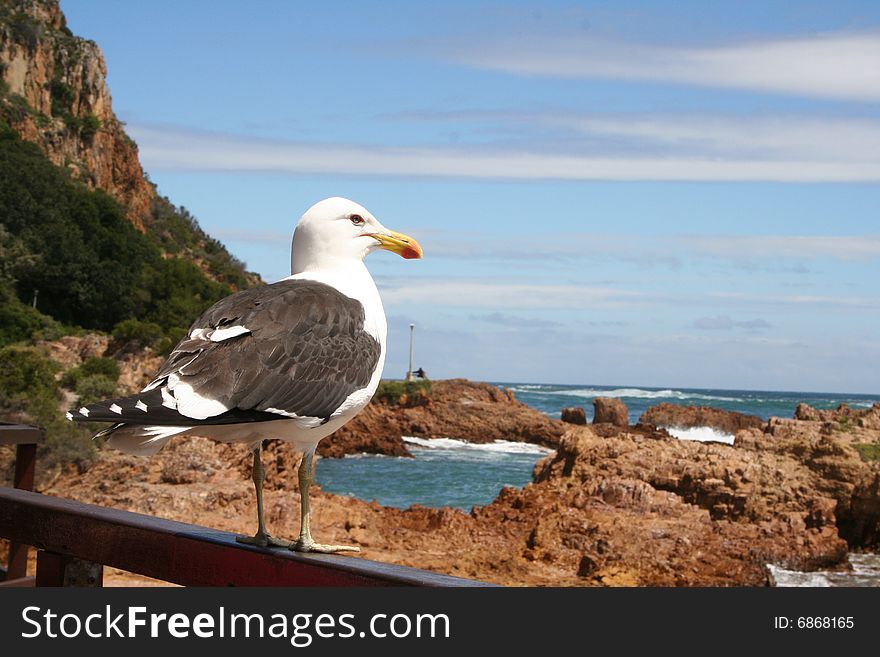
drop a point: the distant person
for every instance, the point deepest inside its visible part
(420, 373)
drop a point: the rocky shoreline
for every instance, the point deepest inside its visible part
(456, 408)
(611, 506)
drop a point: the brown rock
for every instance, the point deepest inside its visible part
(841, 418)
(633, 509)
(686, 417)
(612, 411)
(574, 415)
(456, 408)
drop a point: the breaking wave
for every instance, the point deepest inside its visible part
(502, 446)
(865, 572)
(632, 393)
(703, 434)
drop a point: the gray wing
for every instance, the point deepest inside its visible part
(293, 348)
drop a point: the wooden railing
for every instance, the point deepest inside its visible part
(25, 438)
(74, 540)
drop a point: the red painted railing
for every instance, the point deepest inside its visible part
(70, 534)
(25, 438)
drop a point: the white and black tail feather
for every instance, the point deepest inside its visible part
(144, 422)
(140, 440)
(157, 407)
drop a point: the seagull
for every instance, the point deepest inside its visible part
(293, 360)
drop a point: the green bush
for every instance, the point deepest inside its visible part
(868, 451)
(106, 368)
(67, 443)
(62, 97)
(23, 372)
(90, 125)
(19, 321)
(25, 30)
(27, 385)
(132, 330)
(172, 337)
(403, 393)
(95, 388)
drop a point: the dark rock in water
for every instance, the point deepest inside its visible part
(686, 417)
(611, 411)
(574, 415)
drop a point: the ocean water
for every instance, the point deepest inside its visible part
(865, 572)
(449, 472)
(551, 399)
(444, 472)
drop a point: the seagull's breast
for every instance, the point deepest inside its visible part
(356, 283)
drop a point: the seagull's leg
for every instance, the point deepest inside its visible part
(262, 538)
(305, 543)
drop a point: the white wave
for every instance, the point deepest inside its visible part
(784, 578)
(865, 571)
(703, 434)
(504, 446)
(632, 393)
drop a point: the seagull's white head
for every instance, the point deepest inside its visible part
(335, 231)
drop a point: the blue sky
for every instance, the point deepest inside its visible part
(662, 194)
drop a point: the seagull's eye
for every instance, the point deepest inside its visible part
(357, 220)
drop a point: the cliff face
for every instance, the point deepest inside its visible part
(54, 93)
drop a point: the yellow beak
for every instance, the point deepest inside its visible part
(402, 245)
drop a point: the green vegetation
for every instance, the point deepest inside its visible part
(868, 451)
(103, 367)
(403, 393)
(62, 97)
(76, 254)
(178, 232)
(24, 30)
(146, 334)
(94, 268)
(29, 392)
(90, 125)
(845, 424)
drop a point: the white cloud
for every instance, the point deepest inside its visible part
(667, 250)
(165, 148)
(726, 323)
(514, 321)
(820, 139)
(838, 65)
(740, 247)
(463, 293)
(500, 295)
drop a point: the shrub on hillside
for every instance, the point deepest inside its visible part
(106, 368)
(145, 334)
(403, 393)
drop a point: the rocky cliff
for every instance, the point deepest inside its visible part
(55, 94)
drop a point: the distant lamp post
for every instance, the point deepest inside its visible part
(409, 372)
(37, 293)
